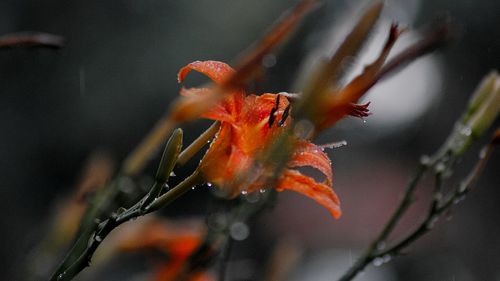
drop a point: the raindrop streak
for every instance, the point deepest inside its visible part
(81, 76)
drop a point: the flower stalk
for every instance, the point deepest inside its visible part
(478, 115)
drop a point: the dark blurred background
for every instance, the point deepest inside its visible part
(117, 74)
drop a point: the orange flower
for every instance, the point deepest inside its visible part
(177, 240)
(340, 103)
(250, 123)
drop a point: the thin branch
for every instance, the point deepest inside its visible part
(31, 40)
(378, 242)
(119, 218)
(440, 204)
(444, 204)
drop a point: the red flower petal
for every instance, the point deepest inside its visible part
(199, 102)
(321, 193)
(218, 112)
(309, 154)
(215, 70)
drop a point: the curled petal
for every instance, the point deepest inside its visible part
(362, 83)
(215, 70)
(200, 102)
(321, 193)
(220, 111)
(189, 108)
(340, 105)
(309, 154)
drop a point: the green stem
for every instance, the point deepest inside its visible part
(198, 144)
(369, 254)
(80, 257)
(167, 198)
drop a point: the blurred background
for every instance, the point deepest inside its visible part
(117, 74)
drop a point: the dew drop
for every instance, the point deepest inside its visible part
(262, 190)
(126, 185)
(425, 160)
(172, 174)
(458, 199)
(386, 258)
(269, 60)
(378, 261)
(239, 231)
(482, 153)
(440, 167)
(244, 192)
(466, 131)
(209, 184)
(61, 276)
(432, 222)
